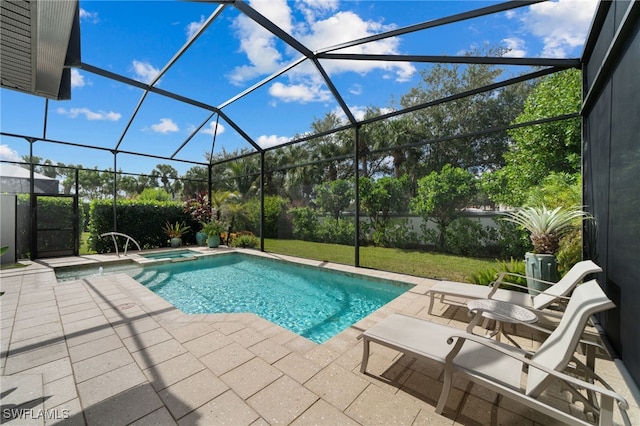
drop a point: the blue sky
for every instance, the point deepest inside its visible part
(138, 38)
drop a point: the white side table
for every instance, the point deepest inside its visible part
(501, 312)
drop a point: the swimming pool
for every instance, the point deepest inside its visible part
(175, 254)
(71, 273)
(312, 302)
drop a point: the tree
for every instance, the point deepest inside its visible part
(196, 180)
(465, 115)
(236, 171)
(372, 137)
(168, 175)
(328, 149)
(378, 198)
(154, 194)
(334, 197)
(68, 172)
(381, 197)
(441, 196)
(91, 183)
(128, 184)
(540, 150)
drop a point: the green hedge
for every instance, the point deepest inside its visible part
(142, 220)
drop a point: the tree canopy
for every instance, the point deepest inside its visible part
(441, 195)
(542, 149)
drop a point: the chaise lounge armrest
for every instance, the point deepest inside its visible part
(500, 281)
(608, 396)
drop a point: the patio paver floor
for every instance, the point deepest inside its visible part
(106, 350)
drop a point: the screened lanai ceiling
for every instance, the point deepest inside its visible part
(170, 81)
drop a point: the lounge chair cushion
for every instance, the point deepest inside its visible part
(426, 339)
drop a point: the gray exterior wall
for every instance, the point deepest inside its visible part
(611, 167)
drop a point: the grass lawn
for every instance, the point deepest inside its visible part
(411, 262)
(84, 247)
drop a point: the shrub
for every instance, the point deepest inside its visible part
(429, 236)
(341, 231)
(487, 276)
(154, 194)
(570, 251)
(274, 207)
(142, 220)
(509, 240)
(246, 240)
(305, 223)
(466, 237)
(396, 234)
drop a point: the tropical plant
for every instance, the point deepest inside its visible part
(213, 227)
(546, 227)
(175, 230)
(514, 268)
(246, 241)
(199, 208)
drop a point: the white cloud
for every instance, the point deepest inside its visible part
(212, 129)
(193, 27)
(345, 26)
(510, 14)
(273, 140)
(312, 8)
(77, 79)
(8, 154)
(90, 115)
(259, 44)
(302, 92)
(87, 16)
(166, 125)
(358, 111)
(144, 71)
(323, 27)
(516, 47)
(562, 25)
(356, 89)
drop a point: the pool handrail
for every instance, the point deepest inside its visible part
(113, 236)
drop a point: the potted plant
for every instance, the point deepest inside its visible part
(200, 211)
(546, 228)
(213, 229)
(175, 232)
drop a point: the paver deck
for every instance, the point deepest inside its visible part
(106, 350)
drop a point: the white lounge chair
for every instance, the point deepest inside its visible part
(500, 367)
(556, 291)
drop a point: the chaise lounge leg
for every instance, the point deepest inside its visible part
(365, 355)
(430, 311)
(446, 388)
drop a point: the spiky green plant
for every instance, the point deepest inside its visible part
(546, 226)
(175, 230)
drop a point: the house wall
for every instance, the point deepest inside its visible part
(611, 169)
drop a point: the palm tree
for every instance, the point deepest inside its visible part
(166, 173)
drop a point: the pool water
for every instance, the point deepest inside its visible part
(176, 254)
(79, 272)
(315, 303)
